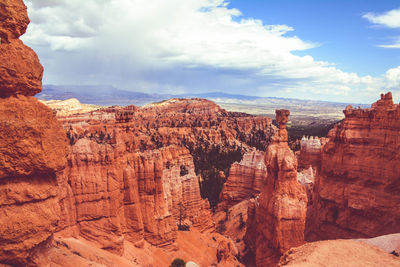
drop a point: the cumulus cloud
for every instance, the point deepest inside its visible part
(166, 46)
(389, 19)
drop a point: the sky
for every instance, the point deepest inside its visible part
(334, 50)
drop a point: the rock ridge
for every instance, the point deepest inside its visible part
(358, 187)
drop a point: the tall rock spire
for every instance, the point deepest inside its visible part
(281, 213)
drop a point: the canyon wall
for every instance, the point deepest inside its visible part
(281, 210)
(245, 180)
(130, 177)
(310, 152)
(357, 191)
(32, 146)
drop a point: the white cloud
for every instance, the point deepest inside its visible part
(393, 78)
(390, 19)
(396, 44)
(159, 45)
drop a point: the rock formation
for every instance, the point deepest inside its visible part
(69, 106)
(20, 70)
(245, 180)
(234, 223)
(32, 146)
(357, 192)
(129, 178)
(332, 253)
(310, 152)
(281, 214)
(111, 195)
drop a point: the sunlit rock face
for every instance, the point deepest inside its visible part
(33, 146)
(337, 253)
(357, 191)
(108, 197)
(245, 180)
(130, 177)
(20, 70)
(281, 212)
(310, 152)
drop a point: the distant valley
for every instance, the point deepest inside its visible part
(301, 110)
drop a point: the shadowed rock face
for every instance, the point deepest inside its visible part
(357, 192)
(20, 69)
(32, 145)
(282, 208)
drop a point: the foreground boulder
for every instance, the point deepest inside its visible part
(20, 69)
(32, 146)
(332, 253)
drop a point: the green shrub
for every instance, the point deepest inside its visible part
(177, 263)
(184, 170)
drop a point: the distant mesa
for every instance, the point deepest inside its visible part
(69, 106)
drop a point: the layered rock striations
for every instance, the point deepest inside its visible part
(310, 152)
(281, 211)
(357, 192)
(129, 176)
(108, 197)
(32, 146)
(245, 179)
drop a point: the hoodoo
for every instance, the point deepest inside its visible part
(281, 213)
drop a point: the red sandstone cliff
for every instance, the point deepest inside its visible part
(20, 69)
(281, 211)
(129, 178)
(32, 146)
(357, 192)
(310, 152)
(109, 196)
(245, 180)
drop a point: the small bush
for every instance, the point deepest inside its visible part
(394, 253)
(177, 263)
(242, 223)
(184, 171)
(182, 227)
(221, 226)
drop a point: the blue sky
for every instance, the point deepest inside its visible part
(343, 35)
(338, 50)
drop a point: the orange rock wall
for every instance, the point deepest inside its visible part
(33, 146)
(245, 179)
(310, 152)
(124, 178)
(357, 192)
(108, 197)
